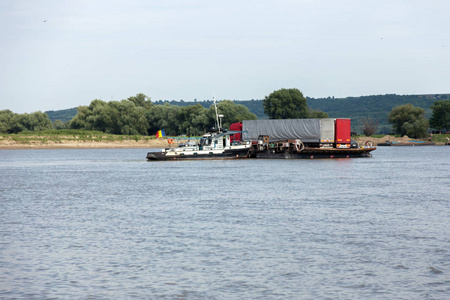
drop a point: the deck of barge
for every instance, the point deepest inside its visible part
(315, 153)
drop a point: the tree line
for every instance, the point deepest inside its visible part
(138, 115)
(135, 115)
(375, 107)
(410, 120)
(14, 123)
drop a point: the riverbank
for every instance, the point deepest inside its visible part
(75, 142)
(390, 138)
(100, 141)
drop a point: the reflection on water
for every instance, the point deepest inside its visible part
(105, 224)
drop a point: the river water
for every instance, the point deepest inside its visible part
(107, 224)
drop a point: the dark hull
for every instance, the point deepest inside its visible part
(227, 154)
(309, 153)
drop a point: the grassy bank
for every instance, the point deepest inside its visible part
(440, 138)
(70, 139)
(70, 135)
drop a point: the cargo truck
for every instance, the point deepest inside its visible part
(315, 133)
(300, 138)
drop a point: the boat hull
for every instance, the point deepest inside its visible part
(199, 155)
(309, 153)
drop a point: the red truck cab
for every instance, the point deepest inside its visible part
(343, 133)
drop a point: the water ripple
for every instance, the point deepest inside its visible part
(103, 224)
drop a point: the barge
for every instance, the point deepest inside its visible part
(295, 149)
(274, 139)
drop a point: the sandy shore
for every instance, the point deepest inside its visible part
(386, 138)
(11, 144)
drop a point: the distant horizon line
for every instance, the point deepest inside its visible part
(329, 97)
(428, 94)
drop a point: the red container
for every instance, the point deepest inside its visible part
(343, 131)
(236, 127)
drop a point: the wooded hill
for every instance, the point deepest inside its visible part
(376, 107)
(64, 115)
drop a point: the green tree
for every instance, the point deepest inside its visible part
(132, 118)
(286, 104)
(15, 123)
(317, 114)
(80, 121)
(164, 117)
(4, 121)
(201, 122)
(105, 116)
(37, 121)
(58, 124)
(141, 100)
(193, 119)
(440, 118)
(116, 117)
(10, 122)
(409, 120)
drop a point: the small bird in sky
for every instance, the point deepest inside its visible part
(45, 21)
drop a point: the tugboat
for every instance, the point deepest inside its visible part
(212, 145)
(218, 143)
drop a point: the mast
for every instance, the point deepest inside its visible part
(217, 115)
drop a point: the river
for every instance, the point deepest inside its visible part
(107, 224)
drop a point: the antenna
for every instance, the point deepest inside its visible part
(217, 116)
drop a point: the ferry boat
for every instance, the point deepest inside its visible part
(285, 139)
(216, 144)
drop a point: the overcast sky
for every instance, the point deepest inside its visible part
(62, 54)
